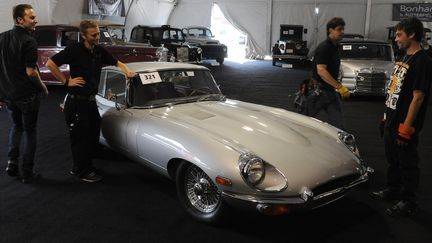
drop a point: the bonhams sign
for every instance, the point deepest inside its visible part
(106, 7)
(422, 11)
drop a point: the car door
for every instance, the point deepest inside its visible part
(111, 103)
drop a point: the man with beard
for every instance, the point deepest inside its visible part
(85, 59)
(325, 70)
(20, 84)
(406, 103)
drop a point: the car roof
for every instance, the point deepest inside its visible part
(162, 66)
(57, 26)
(364, 41)
(195, 27)
(157, 27)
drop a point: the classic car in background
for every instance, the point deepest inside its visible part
(173, 118)
(290, 46)
(168, 37)
(202, 37)
(366, 66)
(52, 39)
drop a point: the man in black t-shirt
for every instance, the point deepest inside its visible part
(81, 113)
(325, 70)
(406, 103)
(20, 84)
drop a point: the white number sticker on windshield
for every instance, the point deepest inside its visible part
(106, 34)
(149, 78)
(190, 73)
(347, 47)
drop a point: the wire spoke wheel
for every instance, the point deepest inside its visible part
(201, 192)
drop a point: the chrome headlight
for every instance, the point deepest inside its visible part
(349, 140)
(199, 50)
(252, 169)
(298, 46)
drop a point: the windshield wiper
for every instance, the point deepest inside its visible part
(217, 97)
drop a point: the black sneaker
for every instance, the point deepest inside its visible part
(12, 168)
(402, 208)
(29, 177)
(387, 194)
(91, 177)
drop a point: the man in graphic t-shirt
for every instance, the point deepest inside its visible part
(406, 103)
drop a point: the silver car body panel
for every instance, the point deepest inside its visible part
(213, 134)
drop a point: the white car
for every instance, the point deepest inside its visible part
(366, 66)
(221, 152)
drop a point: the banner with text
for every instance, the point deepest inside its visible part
(422, 11)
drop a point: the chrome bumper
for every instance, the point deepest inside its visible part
(305, 199)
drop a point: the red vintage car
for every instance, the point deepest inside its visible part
(52, 39)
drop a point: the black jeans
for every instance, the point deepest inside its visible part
(24, 114)
(329, 101)
(403, 172)
(83, 119)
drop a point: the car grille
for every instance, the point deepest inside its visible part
(371, 82)
(212, 50)
(334, 184)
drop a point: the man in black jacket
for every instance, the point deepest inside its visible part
(20, 84)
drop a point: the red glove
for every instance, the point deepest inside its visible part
(404, 134)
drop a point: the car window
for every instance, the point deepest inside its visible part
(115, 84)
(365, 51)
(46, 37)
(69, 37)
(162, 87)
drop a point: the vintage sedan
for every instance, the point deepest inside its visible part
(366, 66)
(52, 39)
(221, 152)
(203, 38)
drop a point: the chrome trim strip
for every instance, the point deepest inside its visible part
(294, 199)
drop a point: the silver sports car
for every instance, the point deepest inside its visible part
(222, 152)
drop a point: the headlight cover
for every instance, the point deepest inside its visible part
(349, 141)
(252, 169)
(260, 175)
(298, 46)
(199, 50)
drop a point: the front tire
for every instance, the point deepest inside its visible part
(198, 194)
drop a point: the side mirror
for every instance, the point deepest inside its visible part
(304, 31)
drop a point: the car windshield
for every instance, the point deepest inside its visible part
(365, 51)
(200, 32)
(173, 34)
(154, 89)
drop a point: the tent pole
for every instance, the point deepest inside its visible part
(368, 15)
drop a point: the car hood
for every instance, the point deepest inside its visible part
(352, 65)
(203, 41)
(291, 142)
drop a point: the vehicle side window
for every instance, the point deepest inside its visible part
(101, 88)
(69, 37)
(46, 37)
(115, 85)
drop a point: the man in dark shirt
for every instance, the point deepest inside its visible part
(20, 84)
(325, 71)
(406, 103)
(81, 113)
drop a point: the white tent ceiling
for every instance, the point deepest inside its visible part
(260, 19)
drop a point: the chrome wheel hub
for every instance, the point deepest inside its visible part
(200, 190)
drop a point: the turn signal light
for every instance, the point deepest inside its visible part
(223, 181)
